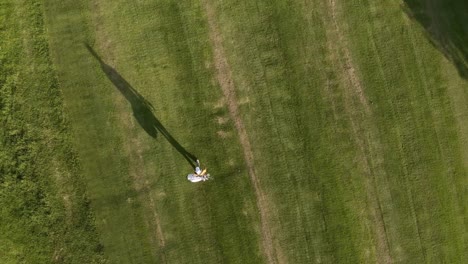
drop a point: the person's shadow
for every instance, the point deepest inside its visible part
(142, 109)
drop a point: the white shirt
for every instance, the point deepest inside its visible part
(196, 178)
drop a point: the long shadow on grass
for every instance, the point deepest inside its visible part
(142, 109)
(446, 26)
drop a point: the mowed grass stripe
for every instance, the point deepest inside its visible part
(224, 77)
(96, 137)
(133, 147)
(418, 111)
(364, 130)
(185, 106)
(166, 59)
(283, 113)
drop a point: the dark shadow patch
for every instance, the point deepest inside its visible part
(142, 109)
(446, 25)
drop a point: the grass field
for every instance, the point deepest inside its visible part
(44, 213)
(335, 130)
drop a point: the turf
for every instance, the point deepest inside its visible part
(44, 213)
(334, 130)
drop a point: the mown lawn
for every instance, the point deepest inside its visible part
(335, 130)
(145, 208)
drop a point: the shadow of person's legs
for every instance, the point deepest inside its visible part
(142, 109)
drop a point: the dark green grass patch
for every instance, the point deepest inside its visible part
(44, 215)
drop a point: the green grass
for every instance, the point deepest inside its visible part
(299, 99)
(354, 111)
(44, 215)
(427, 179)
(126, 168)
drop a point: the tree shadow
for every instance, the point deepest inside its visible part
(446, 26)
(142, 109)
